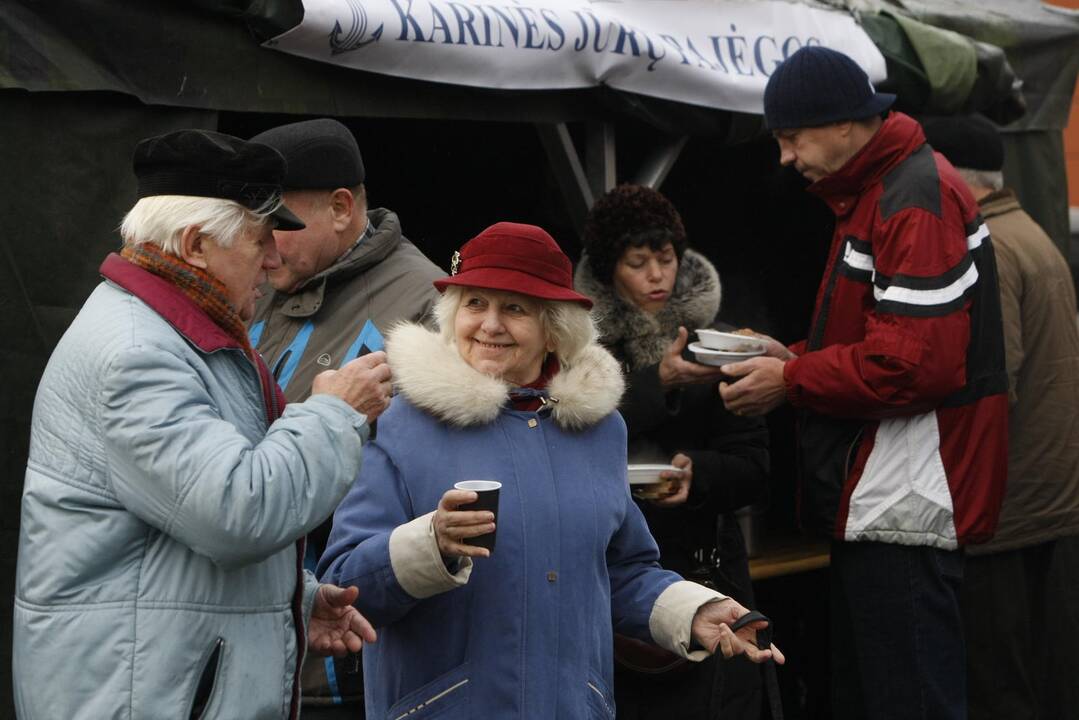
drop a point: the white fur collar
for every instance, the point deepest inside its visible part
(435, 378)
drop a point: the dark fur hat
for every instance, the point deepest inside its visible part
(630, 216)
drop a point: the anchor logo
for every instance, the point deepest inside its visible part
(342, 42)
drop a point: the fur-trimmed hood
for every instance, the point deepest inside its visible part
(694, 303)
(434, 377)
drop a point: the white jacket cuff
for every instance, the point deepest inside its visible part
(417, 563)
(671, 621)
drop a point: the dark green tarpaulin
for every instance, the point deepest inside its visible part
(1041, 42)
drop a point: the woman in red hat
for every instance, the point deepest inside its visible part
(511, 388)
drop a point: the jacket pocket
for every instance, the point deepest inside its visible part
(599, 699)
(827, 448)
(447, 692)
(204, 690)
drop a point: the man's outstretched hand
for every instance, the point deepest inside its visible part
(337, 628)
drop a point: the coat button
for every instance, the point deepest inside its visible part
(532, 422)
(552, 576)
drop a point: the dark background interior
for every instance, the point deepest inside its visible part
(448, 180)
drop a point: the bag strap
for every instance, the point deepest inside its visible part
(764, 641)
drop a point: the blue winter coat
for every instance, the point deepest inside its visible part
(526, 633)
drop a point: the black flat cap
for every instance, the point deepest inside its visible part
(321, 154)
(968, 141)
(202, 163)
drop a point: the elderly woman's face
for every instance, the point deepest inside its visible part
(500, 334)
(645, 277)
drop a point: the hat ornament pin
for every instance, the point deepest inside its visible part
(455, 262)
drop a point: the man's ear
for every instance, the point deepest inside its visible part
(193, 246)
(342, 205)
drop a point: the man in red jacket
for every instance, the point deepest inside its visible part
(900, 388)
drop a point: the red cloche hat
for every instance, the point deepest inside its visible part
(515, 258)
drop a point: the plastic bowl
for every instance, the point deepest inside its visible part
(646, 474)
(645, 482)
(719, 358)
(729, 342)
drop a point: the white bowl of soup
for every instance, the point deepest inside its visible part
(719, 358)
(729, 342)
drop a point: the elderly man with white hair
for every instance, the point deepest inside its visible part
(168, 488)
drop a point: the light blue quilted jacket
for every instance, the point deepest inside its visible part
(157, 571)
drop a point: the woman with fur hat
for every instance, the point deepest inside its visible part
(649, 291)
(513, 388)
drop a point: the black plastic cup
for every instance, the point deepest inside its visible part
(487, 490)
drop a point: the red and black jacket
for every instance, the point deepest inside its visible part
(901, 385)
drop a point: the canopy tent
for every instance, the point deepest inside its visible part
(82, 81)
(941, 57)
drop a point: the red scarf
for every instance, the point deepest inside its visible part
(549, 369)
(201, 287)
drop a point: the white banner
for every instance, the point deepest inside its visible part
(717, 54)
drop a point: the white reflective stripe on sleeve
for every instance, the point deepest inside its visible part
(974, 240)
(857, 260)
(937, 296)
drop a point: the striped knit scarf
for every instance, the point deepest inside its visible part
(204, 289)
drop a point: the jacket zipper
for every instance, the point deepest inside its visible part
(850, 450)
(820, 320)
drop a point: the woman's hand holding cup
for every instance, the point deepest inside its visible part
(453, 526)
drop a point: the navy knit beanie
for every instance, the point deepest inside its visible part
(816, 86)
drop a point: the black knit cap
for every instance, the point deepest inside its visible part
(816, 86)
(630, 216)
(968, 141)
(203, 163)
(322, 154)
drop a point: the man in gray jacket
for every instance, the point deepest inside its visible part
(344, 280)
(168, 488)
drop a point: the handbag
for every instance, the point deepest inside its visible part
(646, 658)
